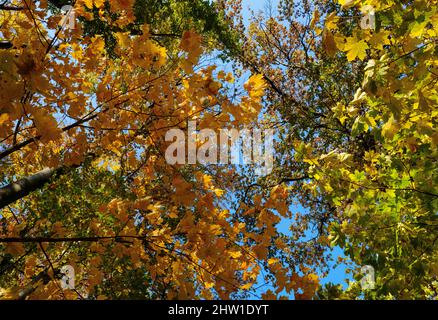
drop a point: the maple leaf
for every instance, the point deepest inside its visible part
(390, 128)
(98, 3)
(346, 3)
(4, 117)
(191, 43)
(355, 49)
(46, 125)
(88, 3)
(97, 45)
(329, 43)
(256, 86)
(246, 286)
(235, 254)
(96, 104)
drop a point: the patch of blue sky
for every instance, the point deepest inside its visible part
(337, 271)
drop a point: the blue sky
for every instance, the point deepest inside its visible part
(337, 274)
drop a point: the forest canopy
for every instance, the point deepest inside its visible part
(89, 90)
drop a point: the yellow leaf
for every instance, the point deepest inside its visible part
(346, 3)
(99, 3)
(378, 40)
(418, 28)
(10, 293)
(272, 261)
(246, 286)
(4, 117)
(191, 43)
(123, 39)
(97, 45)
(173, 215)
(77, 51)
(256, 86)
(218, 192)
(331, 21)
(313, 278)
(390, 128)
(315, 18)
(235, 254)
(88, 4)
(206, 179)
(46, 125)
(356, 49)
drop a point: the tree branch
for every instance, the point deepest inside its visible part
(20, 145)
(78, 239)
(17, 190)
(23, 187)
(10, 8)
(5, 45)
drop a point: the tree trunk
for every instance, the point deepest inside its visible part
(21, 188)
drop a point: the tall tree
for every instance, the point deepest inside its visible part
(356, 111)
(83, 117)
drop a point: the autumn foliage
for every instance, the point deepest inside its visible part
(84, 111)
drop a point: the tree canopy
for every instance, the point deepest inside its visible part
(84, 112)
